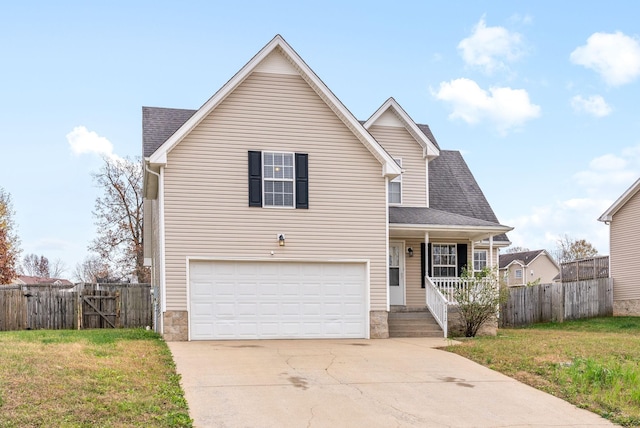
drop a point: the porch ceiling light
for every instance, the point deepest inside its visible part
(410, 251)
(281, 238)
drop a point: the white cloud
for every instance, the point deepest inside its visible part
(615, 56)
(577, 218)
(610, 173)
(490, 48)
(594, 105)
(82, 141)
(507, 108)
(596, 188)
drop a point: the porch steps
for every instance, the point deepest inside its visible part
(412, 322)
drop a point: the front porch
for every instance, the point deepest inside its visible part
(438, 316)
(429, 250)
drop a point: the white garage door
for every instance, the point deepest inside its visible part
(276, 300)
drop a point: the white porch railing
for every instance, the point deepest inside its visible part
(449, 285)
(437, 304)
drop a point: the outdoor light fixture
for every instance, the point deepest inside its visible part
(410, 251)
(281, 239)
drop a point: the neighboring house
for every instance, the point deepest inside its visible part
(272, 212)
(38, 280)
(528, 266)
(623, 218)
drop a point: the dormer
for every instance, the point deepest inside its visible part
(412, 148)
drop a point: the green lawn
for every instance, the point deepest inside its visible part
(594, 363)
(89, 378)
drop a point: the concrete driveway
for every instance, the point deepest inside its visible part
(357, 383)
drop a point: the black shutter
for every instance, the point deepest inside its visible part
(428, 263)
(255, 179)
(462, 257)
(423, 265)
(302, 180)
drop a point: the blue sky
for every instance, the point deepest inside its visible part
(540, 97)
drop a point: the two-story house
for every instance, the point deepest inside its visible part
(526, 267)
(272, 212)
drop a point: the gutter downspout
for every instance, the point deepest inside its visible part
(163, 291)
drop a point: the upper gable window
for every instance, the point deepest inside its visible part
(278, 179)
(395, 187)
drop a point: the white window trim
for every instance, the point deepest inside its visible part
(455, 265)
(397, 179)
(516, 274)
(486, 258)
(293, 180)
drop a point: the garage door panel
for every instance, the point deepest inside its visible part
(267, 300)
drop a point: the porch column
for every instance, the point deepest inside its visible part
(491, 251)
(426, 254)
(473, 252)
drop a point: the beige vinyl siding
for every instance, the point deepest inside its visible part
(511, 275)
(625, 250)
(542, 268)
(206, 197)
(413, 282)
(400, 144)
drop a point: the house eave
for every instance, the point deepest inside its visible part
(389, 167)
(429, 149)
(607, 216)
(473, 233)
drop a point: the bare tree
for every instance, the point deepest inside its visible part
(34, 265)
(118, 216)
(569, 249)
(9, 241)
(92, 269)
(58, 268)
(512, 250)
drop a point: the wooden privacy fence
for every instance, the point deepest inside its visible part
(92, 306)
(584, 269)
(557, 302)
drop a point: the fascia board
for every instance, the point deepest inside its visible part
(160, 155)
(390, 168)
(429, 150)
(445, 228)
(630, 192)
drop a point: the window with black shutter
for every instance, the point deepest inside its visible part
(278, 179)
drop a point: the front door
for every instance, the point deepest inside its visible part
(396, 273)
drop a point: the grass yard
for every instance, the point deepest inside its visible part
(593, 363)
(89, 378)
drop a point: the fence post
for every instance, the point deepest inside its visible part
(117, 323)
(79, 307)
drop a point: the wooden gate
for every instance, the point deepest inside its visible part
(100, 309)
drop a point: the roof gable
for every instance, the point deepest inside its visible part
(524, 258)
(391, 114)
(607, 216)
(288, 61)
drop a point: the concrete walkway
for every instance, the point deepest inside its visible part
(357, 383)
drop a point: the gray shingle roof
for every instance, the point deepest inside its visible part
(427, 131)
(453, 189)
(158, 124)
(525, 257)
(454, 195)
(431, 216)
